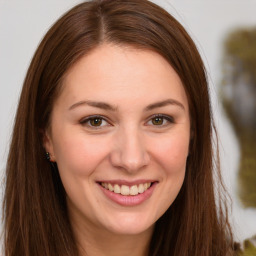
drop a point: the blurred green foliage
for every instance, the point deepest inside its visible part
(247, 169)
(241, 45)
(248, 249)
(239, 66)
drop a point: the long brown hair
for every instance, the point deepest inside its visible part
(35, 214)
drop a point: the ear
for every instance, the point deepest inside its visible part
(48, 144)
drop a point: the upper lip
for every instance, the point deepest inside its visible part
(127, 182)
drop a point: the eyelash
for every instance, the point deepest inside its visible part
(167, 118)
(86, 120)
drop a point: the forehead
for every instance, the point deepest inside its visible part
(114, 72)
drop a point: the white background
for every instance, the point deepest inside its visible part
(23, 24)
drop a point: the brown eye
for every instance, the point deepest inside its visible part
(160, 120)
(157, 121)
(95, 121)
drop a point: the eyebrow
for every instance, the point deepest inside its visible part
(106, 106)
(163, 104)
(96, 104)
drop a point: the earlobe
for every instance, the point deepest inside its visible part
(49, 157)
(48, 146)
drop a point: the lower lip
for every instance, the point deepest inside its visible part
(129, 200)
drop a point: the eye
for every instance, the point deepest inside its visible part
(160, 120)
(94, 121)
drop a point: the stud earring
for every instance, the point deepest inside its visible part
(48, 156)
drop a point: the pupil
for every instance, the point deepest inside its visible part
(158, 120)
(96, 121)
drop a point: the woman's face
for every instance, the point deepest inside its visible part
(120, 133)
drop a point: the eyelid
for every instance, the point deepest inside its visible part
(169, 119)
(84, 121)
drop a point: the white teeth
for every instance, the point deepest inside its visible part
(134, 190)
(110, 187)
(117, 189)
(141, 188)
(126, 190)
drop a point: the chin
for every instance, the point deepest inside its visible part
(130, 225)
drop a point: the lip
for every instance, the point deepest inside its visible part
(127, 183)
(128, 200)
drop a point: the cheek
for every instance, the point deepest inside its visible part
(79, 155)
(172, 153)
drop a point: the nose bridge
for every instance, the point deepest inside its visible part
(130, 152)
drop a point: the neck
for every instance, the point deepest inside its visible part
(93, 241)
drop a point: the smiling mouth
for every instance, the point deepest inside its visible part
(127, 190)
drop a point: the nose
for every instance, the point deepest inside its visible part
(129, 151)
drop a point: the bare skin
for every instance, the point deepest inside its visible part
(102, 243)
(119, 133)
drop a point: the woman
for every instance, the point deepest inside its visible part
(116, 98)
